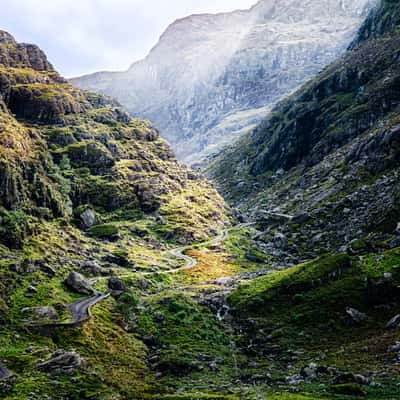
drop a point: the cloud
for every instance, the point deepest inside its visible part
(91, 35)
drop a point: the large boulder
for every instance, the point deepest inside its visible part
(79, 284)
(46, 313)
(62, 363)
(355, 317)
(88, 218)
(394, 323)
(116, 284)
(93, 268)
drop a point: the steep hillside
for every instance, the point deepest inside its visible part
(210, 78)
(86, 193)
(328, 155)
(63, 149)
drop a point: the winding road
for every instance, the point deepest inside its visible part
(80, 310)
(192, 262)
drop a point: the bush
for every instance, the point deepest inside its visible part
(103, 231)
(14, 228)
(349, 389)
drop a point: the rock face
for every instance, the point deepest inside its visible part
(212, 77)
(77, 155)
(62, 363)
(328, 154)
(78, 283)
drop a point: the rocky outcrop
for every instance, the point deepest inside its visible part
(330, 153)
(62, 149)
(62, 363)
(212, 77)
(40, 314)
(79, 284)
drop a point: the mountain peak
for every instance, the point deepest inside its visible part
(22, 55)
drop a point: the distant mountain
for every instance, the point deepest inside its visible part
(329, 155)
(211, 78)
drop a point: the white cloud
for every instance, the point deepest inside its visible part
(88, 35)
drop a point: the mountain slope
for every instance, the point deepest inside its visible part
(329, 152)
(212, 77)
(86, 193)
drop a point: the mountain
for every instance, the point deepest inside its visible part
(210, 78)
(328, 155)
(123, 277)
(86, 192)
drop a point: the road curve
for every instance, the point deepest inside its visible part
(80, 310)
(191, 262)
(4, 372)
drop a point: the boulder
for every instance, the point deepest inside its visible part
(395, 348)
(62, 363)
(77, 282)
(88, 218)
(310, 371)
(394, 323)
(116, 284)
(355, 317)
(92, 268)
(30, 291)
(300, 218)
(46, 313)
(280, 240)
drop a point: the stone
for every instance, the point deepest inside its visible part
(116, 284)
(301, 218)
(361, 379)
(78, 283)
(310, 371)
(92, 268)
(46, 313)
(395, 348)
(88, 218)
(30, 291)
(280, 240)
(62, 363)
(394, 323)
(355, 317)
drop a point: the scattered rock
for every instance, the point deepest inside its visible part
(394, 323)
(116, 284)
(395, 348)
(62, 363)
(300, 218)
(310, 371)
(78, 283)
(47, 313)
(30, 291)
(88, 218)
(92, 268)
(355, 317)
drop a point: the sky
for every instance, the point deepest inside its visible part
(84, 36)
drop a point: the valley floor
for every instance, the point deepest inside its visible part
(213, 323)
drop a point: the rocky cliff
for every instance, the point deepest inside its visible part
(324, 164)
(62, 149)
(212, 77)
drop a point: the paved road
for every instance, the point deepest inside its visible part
(80, 310)
(4, 372)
